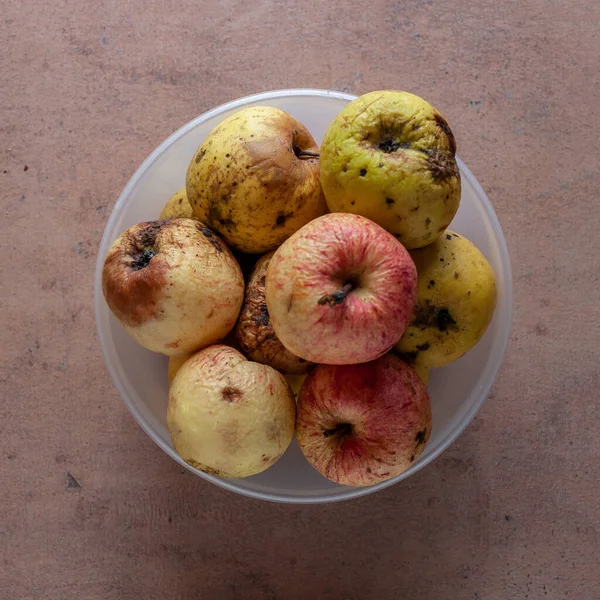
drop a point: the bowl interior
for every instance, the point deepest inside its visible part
(456, 391)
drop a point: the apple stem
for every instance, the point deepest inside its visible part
(336, 297)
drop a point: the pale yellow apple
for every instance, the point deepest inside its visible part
(390, 156)
(229, 416)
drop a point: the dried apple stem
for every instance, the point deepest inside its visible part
(336, 297)
(305, 153)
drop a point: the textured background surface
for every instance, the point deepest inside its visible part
(87, 90)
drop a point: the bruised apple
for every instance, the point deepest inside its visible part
(173, 285)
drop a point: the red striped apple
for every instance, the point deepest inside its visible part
(362, 424)
(340, 290)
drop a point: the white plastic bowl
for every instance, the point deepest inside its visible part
(457, 391)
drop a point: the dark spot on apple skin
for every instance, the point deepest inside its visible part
(427, 315)
(204, 230)
(430, 284)
(345, 168)
(212, 238)
(388, 146)
(231, 394)
(200, 155)
(261, 318)
(389, 201)
(282, 218)
(143, 259)
(412, 458)
(444, 319)
(441, 164)
(363, 172)
(272, 431)
(423, 347)
(427, 222)
(455, 275)
(420, 437)
(448, 236)
(227, 223)
(415, 208)
(133, 276)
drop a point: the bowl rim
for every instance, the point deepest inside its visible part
(349, 492)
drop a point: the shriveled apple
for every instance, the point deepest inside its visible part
(341, 290)
(254, 331)
(173, 285)
(362, 424)
(228, 416)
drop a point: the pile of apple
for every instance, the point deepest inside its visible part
(283, 269)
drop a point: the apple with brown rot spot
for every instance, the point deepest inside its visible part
(173, 285)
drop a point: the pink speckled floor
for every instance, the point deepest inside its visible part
(91, 508)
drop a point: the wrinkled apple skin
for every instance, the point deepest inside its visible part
(254, 331)
(362, 424)
(229, 416)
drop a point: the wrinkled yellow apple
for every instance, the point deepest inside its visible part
(228, 416)
(255, 179)
(389, 156)
(456, 298)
